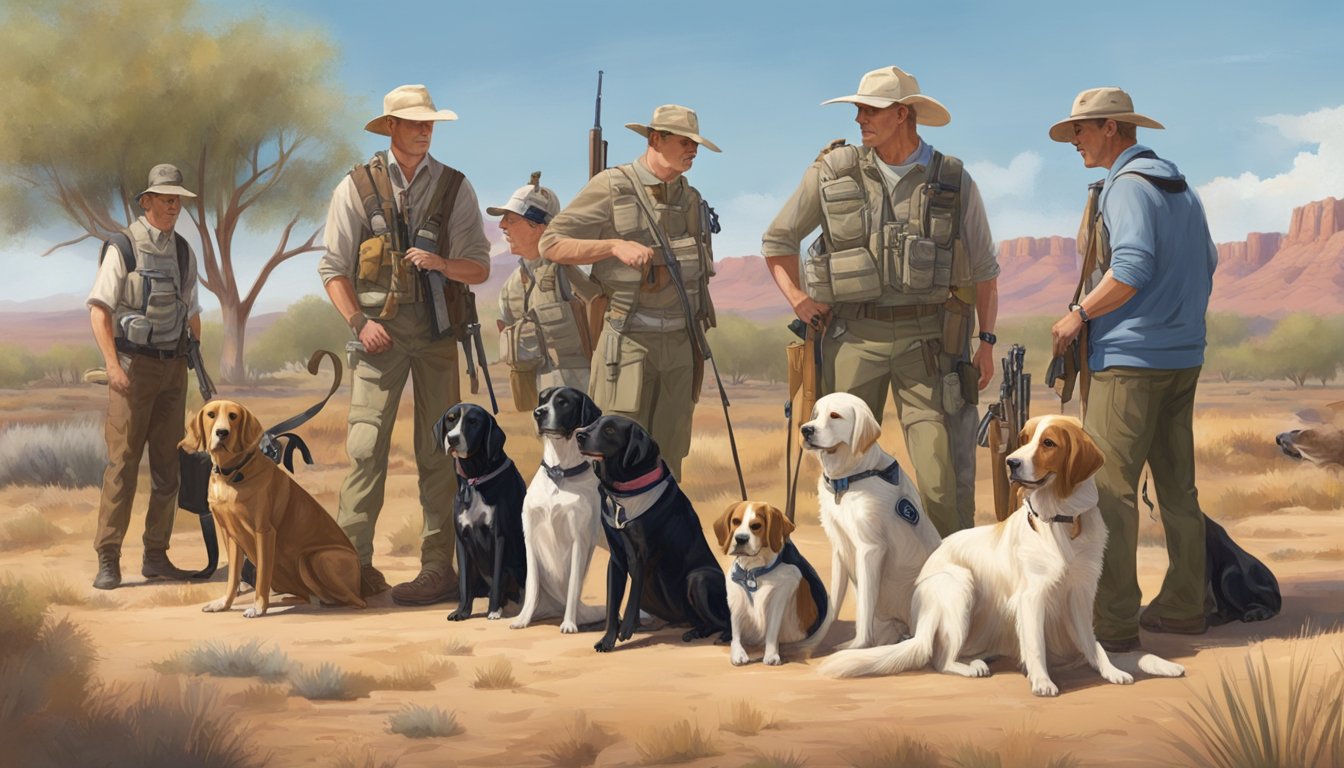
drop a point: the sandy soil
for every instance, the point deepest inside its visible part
(656, 680)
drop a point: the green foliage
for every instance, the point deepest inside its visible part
(1303, 346)
(309, 324)
(1226, 329)
(745, 350)
(18, 366)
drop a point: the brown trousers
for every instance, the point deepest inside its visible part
(153, 413)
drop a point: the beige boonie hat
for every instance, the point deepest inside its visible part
(165, 179)
(409, 102)
(892, 85)
(676, 119)
(1107, 103)
(533, 202)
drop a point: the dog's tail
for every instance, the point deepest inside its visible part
(882, 660)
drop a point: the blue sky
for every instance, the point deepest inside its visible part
(1250, 93)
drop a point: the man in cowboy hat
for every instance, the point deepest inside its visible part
(542, 302)
(400, 210)
(1145, 321)
(142, 300)
(904, 261)
(622, 222)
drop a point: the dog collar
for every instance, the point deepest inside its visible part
(557, 474)
(1056, 519)
(838, 486)
(483, 478)
(747, 578)
(640, 484)
(232, 473)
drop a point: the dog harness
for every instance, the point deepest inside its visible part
(234, 474)
(747, 578)
(905, 508)
(557, 474)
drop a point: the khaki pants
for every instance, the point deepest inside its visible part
(874, 355)
(152, 413)
(375, 392)
(574, 378)
(1141, 415)
(651, 385)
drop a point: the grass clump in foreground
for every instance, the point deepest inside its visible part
(582, 743)
(887, 749)
(745, 719)
(222, 660)
(1020, 749)
(418, 722)
(329, 682)
(497, 676)
(679, 742)
(777, 760)
(30, 530)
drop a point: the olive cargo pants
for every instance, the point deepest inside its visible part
(649, 377)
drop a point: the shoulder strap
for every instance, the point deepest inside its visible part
(123, 243)
(841, 160)
(183, 257)
(1170, 186)
(374, 190)
(445, 197)
(1091, 223)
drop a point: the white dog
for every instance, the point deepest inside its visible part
(774, 594)
(872, 514)
(561, 515)
(1022, 588)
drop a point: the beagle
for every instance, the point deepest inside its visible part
(774, 595)
(1022, 588)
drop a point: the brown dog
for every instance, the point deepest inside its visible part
(262, 513)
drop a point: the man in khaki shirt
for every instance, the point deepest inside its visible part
(645, 365)
(391, 319)
(895, 300)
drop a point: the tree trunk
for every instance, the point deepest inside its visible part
(231, 367)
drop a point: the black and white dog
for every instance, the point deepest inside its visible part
(655, 538)
(487, 512)
(561, 515)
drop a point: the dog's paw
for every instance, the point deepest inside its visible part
(626, 633)
(1160, 667)
(215, 606)
(568, 628)
(459, 615)
(494, 615)
(772, 660)
(605, 645)
(518, 623)
(979, 668)
(1117, 676)
(254, 612)
(739, 657)
(1044, 686)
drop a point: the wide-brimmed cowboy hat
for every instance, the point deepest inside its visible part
(1106, 103)
(892, 85)
(677, 119)
(165, 179)
(409, 102)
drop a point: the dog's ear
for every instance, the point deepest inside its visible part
(250, 430)
(441, 430)
(494, 439)
(194, 440)
(588, 410)
(866, 430)
(777, 528)
(545, 395)
(639, 447)
(1082, 461)
(1029, 430)
(723, 527)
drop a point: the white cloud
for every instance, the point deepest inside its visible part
(1014, 202)
(1246, 203)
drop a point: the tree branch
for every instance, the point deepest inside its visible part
(59, 246)
(280, 256)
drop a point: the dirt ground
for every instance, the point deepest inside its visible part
(646, 686)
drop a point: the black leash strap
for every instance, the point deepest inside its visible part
(271, 439)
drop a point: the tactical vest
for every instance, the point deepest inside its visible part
(640, 300)
(150, 311)
(888, 249)
(552, 326)
(383, 280)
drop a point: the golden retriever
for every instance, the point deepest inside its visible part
(1021, 588)
(262, 513)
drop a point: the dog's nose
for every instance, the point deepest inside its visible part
(808, 430)
(221, 433)
(1014, 464)
(1285, 438)
(538, 413)
(581, 436)
(741, 538)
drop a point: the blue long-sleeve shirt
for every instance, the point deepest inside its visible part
(1161, 247)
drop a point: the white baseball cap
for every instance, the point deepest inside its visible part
(533, 202)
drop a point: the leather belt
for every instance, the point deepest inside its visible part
(874, 312)
(129, 347)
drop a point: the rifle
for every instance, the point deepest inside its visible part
(1001, 428)
(597, 147)
(195, 363)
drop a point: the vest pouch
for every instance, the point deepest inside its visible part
(135, 329)
(371, 257)
(952, 399)
(560, 330)
(159, 290)
(686, 250)
(842, 207)
(814, 269)
(854, 276)
(919, 259)
(625, 216)
(520, 345)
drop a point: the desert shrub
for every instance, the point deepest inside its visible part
(887, 749)
(777, 760)
(496, 676)
(70, 454)
(363, 758)
(1019, 749)
(265, 697)
(745, 350)
(1242, 451)
(221, 660)
(1264, 719)
(679, 742)
(1279, 490)
(744, 719)
(308, 324)
(417, 722)
(1335, 553)
(405, 539)
(455, 646)
(18, 367)
(418, 676)
(582, 743)
(57, 591)
(21, 612)
(30, 529)
(65, 363)
(330, 683)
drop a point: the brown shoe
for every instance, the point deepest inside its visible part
(157, 565)
(109, 571)
(371, 581)
(1151, 621)
(426, 589)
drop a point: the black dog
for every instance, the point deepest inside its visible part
(488, 510)
(1241, 587)
(655, 538)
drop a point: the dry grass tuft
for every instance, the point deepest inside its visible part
(454, 646)
(418, 722)
(497, 676)
(888, 749)
(221, 660)
(777, 760)
(57, 591)
(582, 743)
(102, 602)
(365, 757)
(405, 539)
(182, 594)
(265, 698)
(1337, 553)
(417, 676)
(679, 742)
(1018, 749)
(1239, 451)
(1277, 490)
(30, 529)
(330, 683)
(745, 719)
(69, 454)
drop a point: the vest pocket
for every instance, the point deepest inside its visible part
(560, 329)
(625, 216)
(815, 272)
(854, 276)
(918, 263)
(843, 209)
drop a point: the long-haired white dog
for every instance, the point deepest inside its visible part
(872, 514)
(1022, 588)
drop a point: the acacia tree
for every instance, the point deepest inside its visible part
(97, 93)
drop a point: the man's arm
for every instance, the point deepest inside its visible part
(468, 257)
(574, 236)
(782, 243)
(1109, 295)
(987, 315)
(100, 317)
(370, 333)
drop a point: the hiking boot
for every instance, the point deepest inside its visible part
(1119, 646)
(371, 581)
(1151, 621)
(157, 565)
(109, 571)
(426, 589)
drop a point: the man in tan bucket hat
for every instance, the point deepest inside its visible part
(143, 299)
(1148, 261)
(391, 222)
(644, 365)
(904, 267)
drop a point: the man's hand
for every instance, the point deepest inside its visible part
(632, 254)
(984, 363)
(427, 261)
(1065, 330)
(375, 338)
(117, 378)
(812, 312)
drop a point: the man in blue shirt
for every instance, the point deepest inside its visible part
(1145, 318)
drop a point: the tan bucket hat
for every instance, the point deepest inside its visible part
(677, 119)
(892, 85)
(165, 179)
(409, 102)
(1106, 103)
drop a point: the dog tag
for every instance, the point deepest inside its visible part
(839, 486)
(751, 584)
(908, 512)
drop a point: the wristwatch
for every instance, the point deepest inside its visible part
(1082, 313)
(989, 338)
(358, 321)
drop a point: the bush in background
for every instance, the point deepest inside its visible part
(308, 324)
(69, 454)
(745, 350)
